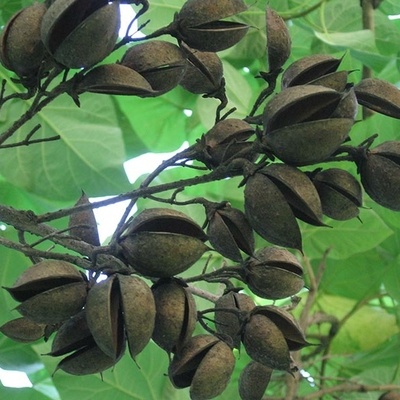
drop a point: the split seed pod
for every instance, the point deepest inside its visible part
(229, 323)
(80, 33)
(229, 232)
(264, 342)
(162, 242)
(340, 193)
(205, 364)
(50, 291)
(23, 330)
(21, 48)
(201, 24)
(307, 69)
(176, 315)
(161, 63)
(268, 212)
(253, 381)
(380, 96)
(278, 40)
(120, 306)
(273, 273)
(380, 174)
(115, 79)
(83, 224)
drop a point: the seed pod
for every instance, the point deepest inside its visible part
(176, 315)
(299, 104)
(115, 79)
(117, 304)
(161, 63)
(285, 321)
(23, 330)
(200, 24)
(380, 96)
(269, 213)
(162, 242)
(335, 80)
(80, 33)
(229, 232)
(22, 50)
(203, 73)
(391, 395)
(278, 40)
(253, 381)
(205, 364)
(308, 142)
(380, 174)
(348, 105)
(43, 288)
(265, 343)
(273, 273)
(83, 224)
(230, 323)
(307, 69)
(340, 193)
(298, 190)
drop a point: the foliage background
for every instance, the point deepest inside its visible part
(361, 282)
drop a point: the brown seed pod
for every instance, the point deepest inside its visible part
(205, 364)
(309, 68)
(162, 242)
(380, 174)
(340, 193)
(203, 73)
(229, 323)
(380, 96)
(308, 142)
(201, 24)
(83, 224)
(268, 212)
(391, 395)
(71, 31)
(115, 79)
(273, 273)
(278, 40)
(176, 315)
(161, 63)
(23, 330)
(299, 104)
(348, 105)
(22, 50)
(253, 381)
(264, 342)
(335, 80)
(298, 190)
(229, 232)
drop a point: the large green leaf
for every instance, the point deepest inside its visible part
(89, 155)
(21, 394)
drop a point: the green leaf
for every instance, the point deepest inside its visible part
(21, 394)
(392, 279)
(345, 238)
(88, 156)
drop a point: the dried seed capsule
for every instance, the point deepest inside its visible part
(162, 242)
(23, 330)
(380, 96)
(161, 63)
(253, 381)
(269, 214)
(176, 315)
(83, 224)
(22, 50)
(80, 33)
(200, 24)
(265, 343)
(115, 79)
(229, 232)
(230, 323)
(340, 193)
(391, 395)
(307, 69)
(205, 364)
(380, 174)
(278, 40)
(273, 273)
